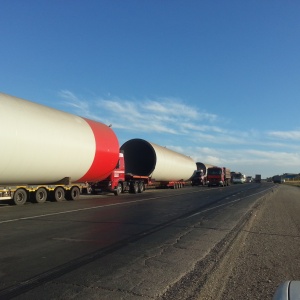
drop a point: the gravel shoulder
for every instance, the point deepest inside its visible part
(264, 254)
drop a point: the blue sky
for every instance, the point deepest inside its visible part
(216, 80)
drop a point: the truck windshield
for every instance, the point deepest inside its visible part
(237, 176)
(199, 174)
(214, 172)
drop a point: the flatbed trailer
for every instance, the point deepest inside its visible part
(40, 193)
(119, 181)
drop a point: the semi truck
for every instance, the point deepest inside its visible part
(51, 154)
(278, 179)
(143, 164)
(218, 176)
(200, 175)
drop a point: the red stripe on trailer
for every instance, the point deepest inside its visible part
(106, 152)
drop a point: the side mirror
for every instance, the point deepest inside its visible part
(289, 290)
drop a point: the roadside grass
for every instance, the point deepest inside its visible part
(293, 182)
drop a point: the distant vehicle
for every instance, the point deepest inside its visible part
(238, 178)
(218, 176)
(249, 179)
(278, 179)
(257, 178)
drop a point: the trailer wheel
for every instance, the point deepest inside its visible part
(59, 194)
(141, 187)
(118, 189)
(20, 197)
(134, 188)
(40, 196)
(73, 193)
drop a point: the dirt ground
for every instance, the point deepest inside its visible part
(265, 253)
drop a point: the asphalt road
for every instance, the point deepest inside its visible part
(142, 246)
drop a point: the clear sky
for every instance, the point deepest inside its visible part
(216, 80)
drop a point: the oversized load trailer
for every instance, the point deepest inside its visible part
(143, 164)
(203, 166)
(164, 166)
(47, 153)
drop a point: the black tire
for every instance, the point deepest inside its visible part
(141, 187)
(59, 194)
(73, 193)
(134, 188)
(20, 197)
(40, 195)
(118, 189)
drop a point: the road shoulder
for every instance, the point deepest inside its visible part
(264, 254)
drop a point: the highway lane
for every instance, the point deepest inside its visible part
(41, 244)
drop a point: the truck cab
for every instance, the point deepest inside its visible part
(112, 183)
(217, 176)
(119, 182)
(198, 178)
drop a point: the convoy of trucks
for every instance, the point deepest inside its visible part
(47, 154)
(50, 154)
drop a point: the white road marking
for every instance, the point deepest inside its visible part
(115, 204)
(233, 201)
(76, 210)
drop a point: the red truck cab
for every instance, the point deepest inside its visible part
(218, 176)
(118, 182)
